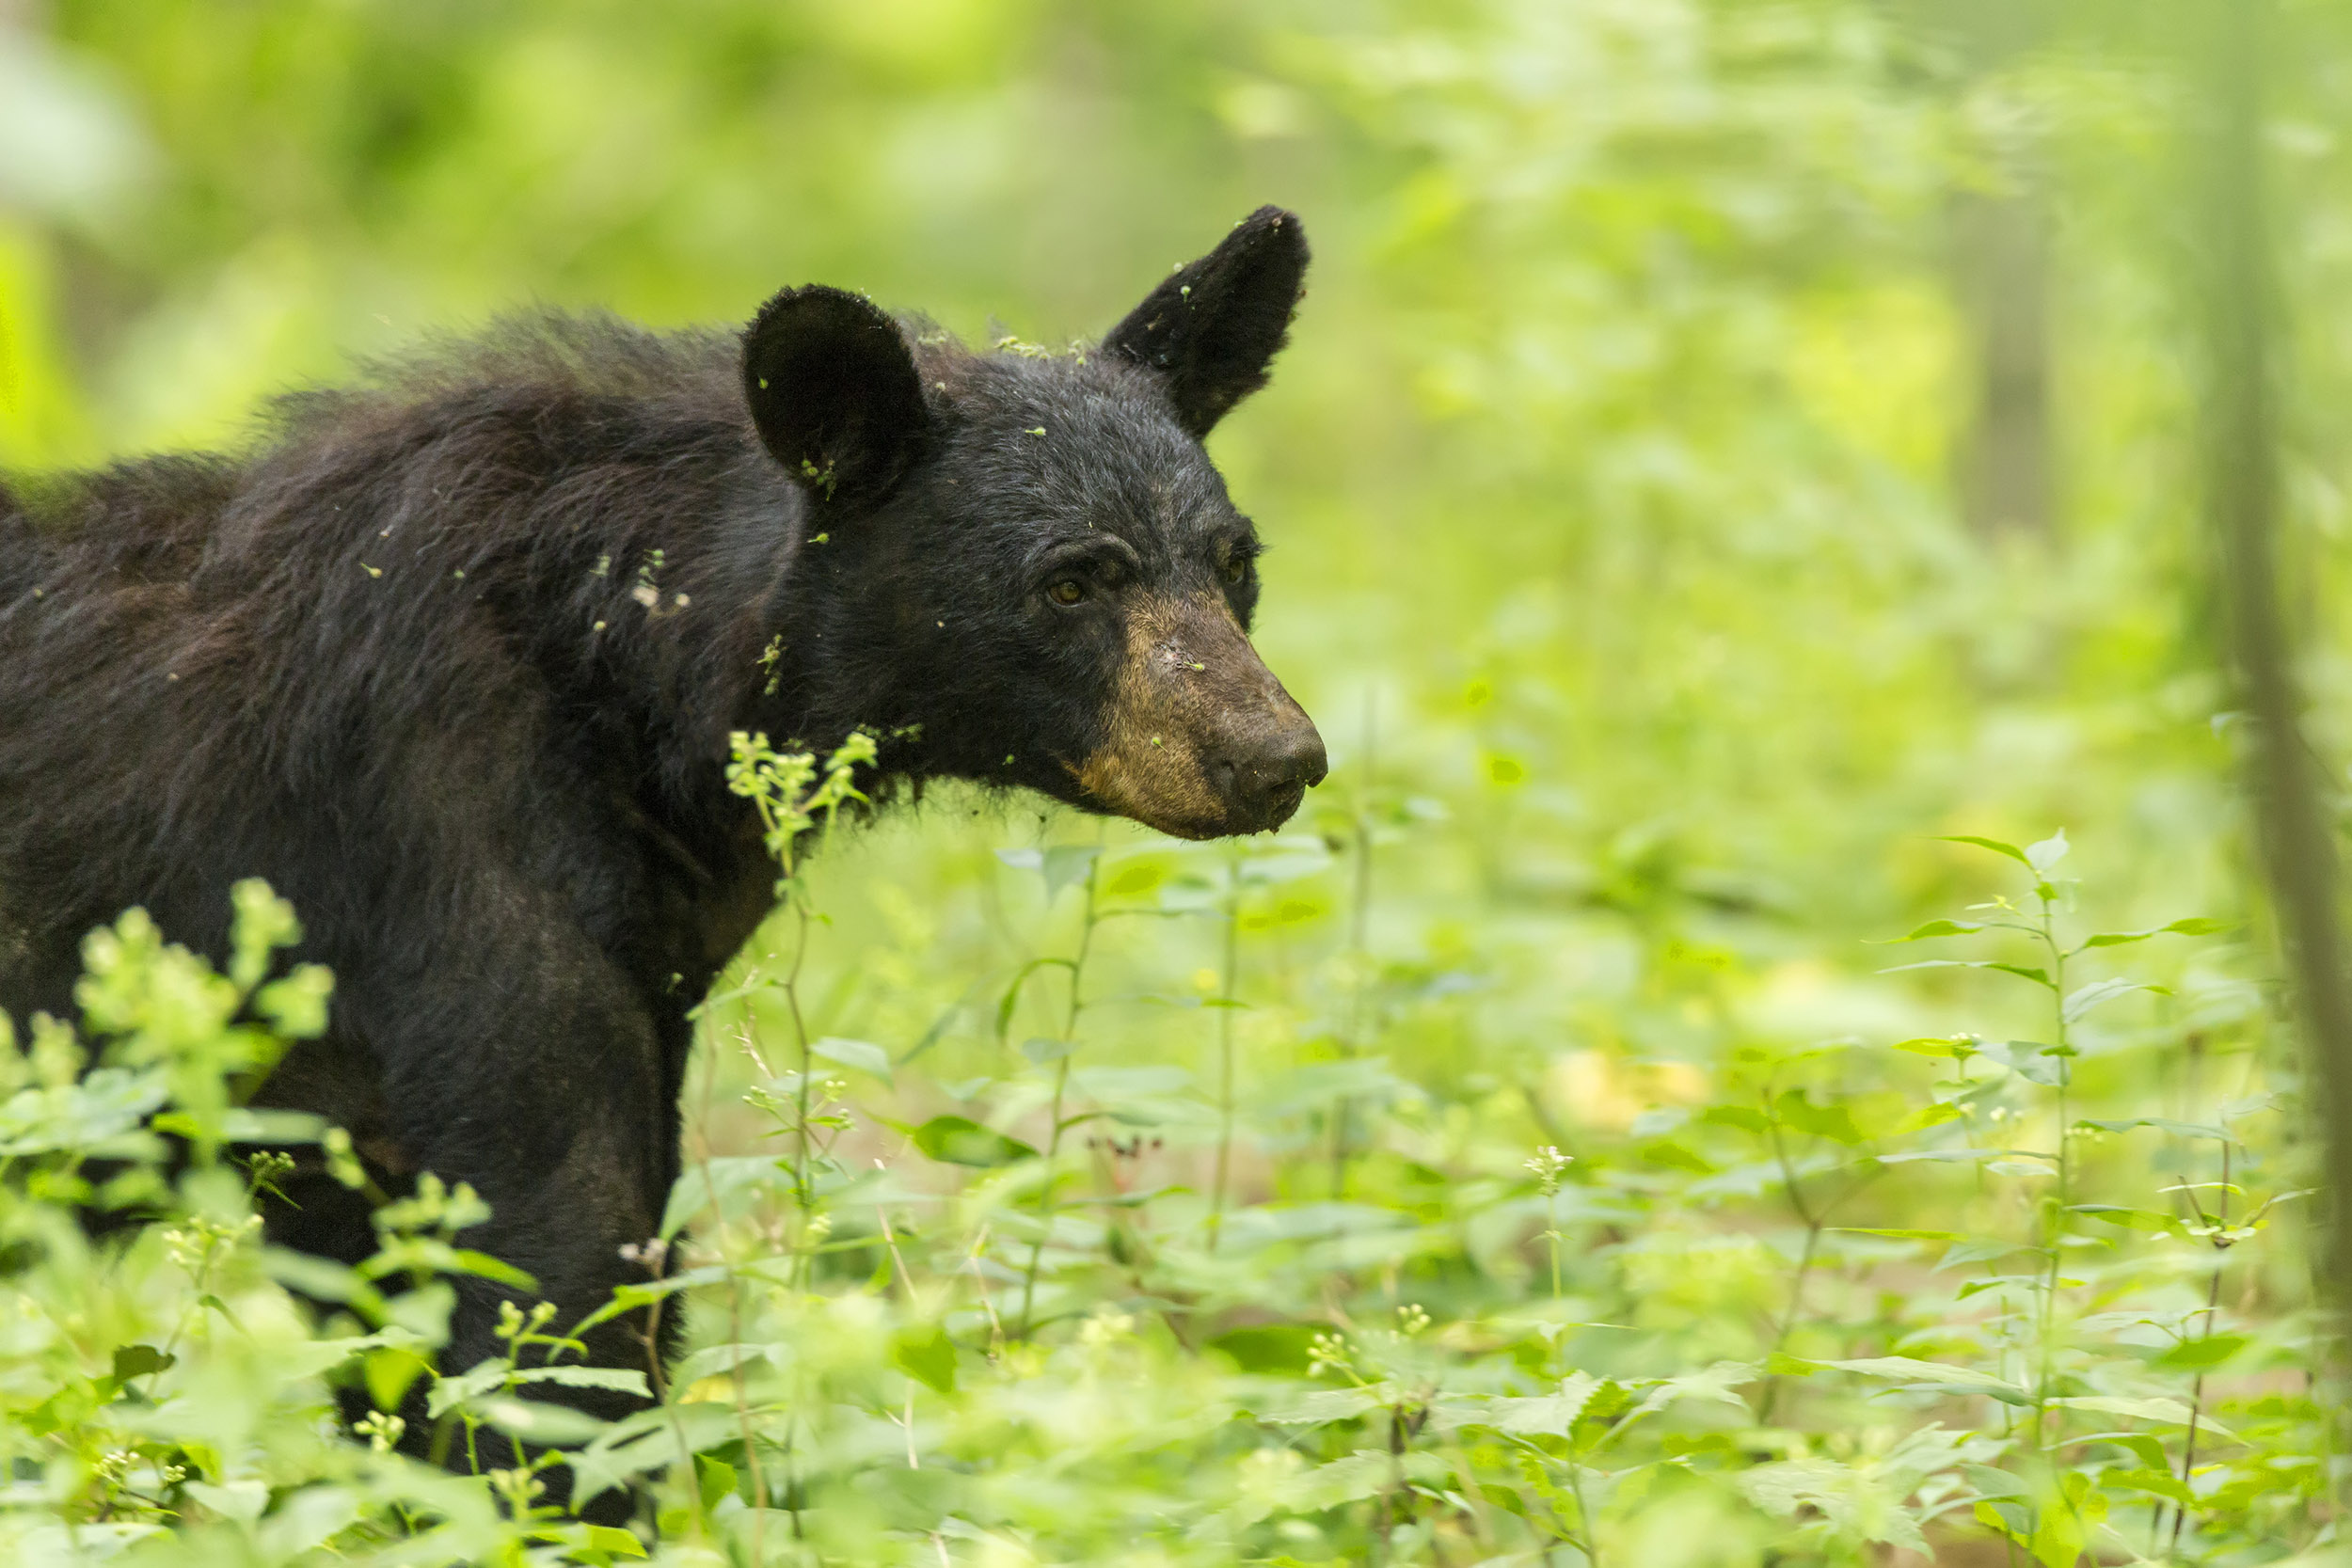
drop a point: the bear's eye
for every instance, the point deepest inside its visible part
(1236, 567)
(1068, 591)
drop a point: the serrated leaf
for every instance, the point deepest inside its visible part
(626, 1380)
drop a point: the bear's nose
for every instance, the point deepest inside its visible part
(1263, 782)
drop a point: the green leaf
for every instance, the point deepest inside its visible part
(1915, 1375)
(1930, 1115)
(2168, 1412)
(132, 1361)
(537, 1421)
(929, 1357)
(2161, 1483)
(1043, 1051)
(2130, 1219)
(2195, 927)
(1896, 1234)
(2163, 1124)
(1746, 1118)
(612, 1542)
(1959, 1048)
(2099, 992)
(2200, 1355)
(1993, 843)
(864, 1055)
(1834, 1122)
(960, 1141)
(2047, 853)
(2021, 971)
(624, 1380)
(715, 1481)
(1943, 928)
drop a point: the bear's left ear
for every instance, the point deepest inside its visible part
(834, 394)
(1216, 324)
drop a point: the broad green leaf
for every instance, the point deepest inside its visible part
(537, 1421)
(2200, 1354)
(626, 1380)
(2169, 1412)
(960, 1141)
(926, 1356)
(1834, 1122)
(1915, 1373)
(2130, 1219)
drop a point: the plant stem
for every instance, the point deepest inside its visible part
(1358, 945)
(1227, 984)
(2054, 1221)
(2213, 1306)
(1062, 1086)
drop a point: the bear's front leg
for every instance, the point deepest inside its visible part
(565, 1121)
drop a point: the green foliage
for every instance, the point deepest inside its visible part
(1525, 1156)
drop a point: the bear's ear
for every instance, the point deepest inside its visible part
(1215, 326)
(834, 394)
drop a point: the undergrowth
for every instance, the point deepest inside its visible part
(2027, 1288)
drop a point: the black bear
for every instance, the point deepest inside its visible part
(452, 658)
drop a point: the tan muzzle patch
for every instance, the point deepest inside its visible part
(1194, 712)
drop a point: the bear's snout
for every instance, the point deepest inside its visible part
(1262, 769)
(1202, 740)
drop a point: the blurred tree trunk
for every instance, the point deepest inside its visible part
(2000, 268)
(2241, 502)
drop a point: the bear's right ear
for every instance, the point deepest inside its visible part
(834, 394)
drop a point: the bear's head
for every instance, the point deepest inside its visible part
(1023, 565)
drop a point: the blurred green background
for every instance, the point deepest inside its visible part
(1742, 435)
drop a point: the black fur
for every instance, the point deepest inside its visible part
(450, 659)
